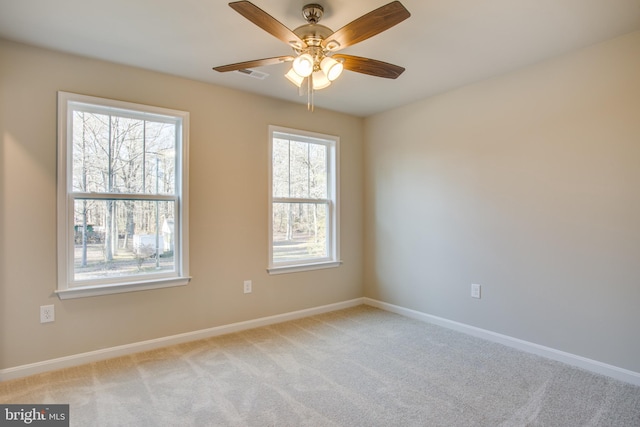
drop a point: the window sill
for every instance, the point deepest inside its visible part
(303, 267)
(92, 291)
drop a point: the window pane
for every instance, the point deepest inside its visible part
(127, 147)
(121, 154)
(317, 171)
(280, 168)
(90, 152)
(119, 238)
(160, 155)
(299, 169)
(299, 231)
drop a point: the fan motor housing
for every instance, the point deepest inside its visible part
(312, 34)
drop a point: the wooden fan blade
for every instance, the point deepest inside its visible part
(254, 63)
(267, 22)
(369, 66)
(368, 25)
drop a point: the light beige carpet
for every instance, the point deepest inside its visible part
(354, 367)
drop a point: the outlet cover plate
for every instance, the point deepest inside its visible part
(47, 313)
(247, 286)
(475, 290)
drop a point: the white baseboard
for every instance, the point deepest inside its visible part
(540, 350)
(123, 350)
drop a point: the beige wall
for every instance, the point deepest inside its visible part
(228, 210)
(528, 184)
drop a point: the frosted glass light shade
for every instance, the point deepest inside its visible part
(320, 80)
(294, 77)
(303, 65)
(332, 68)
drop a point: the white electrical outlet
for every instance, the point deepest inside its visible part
(47, 313)
(475, 290)
(247, 286)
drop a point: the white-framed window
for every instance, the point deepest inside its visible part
(122, 196)
(304, 223)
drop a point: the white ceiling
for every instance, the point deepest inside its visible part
(443, 45)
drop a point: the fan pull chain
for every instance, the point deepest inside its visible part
(310, 93)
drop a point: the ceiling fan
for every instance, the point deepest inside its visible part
(315, 61)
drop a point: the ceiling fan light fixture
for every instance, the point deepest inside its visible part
(314, 44)
(332, 68)
(303, 65)
(320, 80)
(294, 77)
